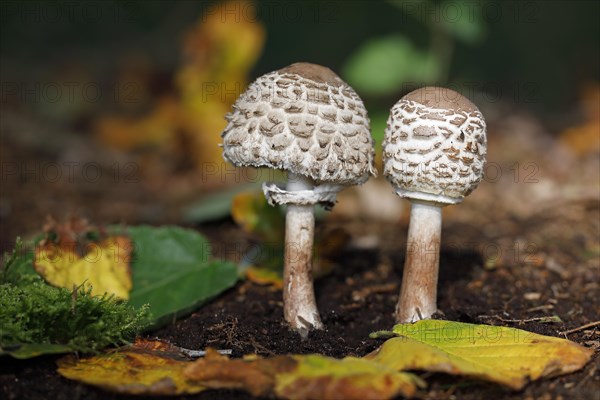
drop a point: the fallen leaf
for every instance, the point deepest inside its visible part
(255, 216)
(37, 318)
(508, 356)
(498, 354)
(104, 267)
(265, 276)
(257, 376)
(147, 367)
(263, 263)
(584, 139)
(304, 377)
(152, 367)
(215, 206)
(31, 350)
(153, 131)
(320, 377)
(183, 128)
(173, 271)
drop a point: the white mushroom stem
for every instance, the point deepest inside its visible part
(418, 295)
(299, 305)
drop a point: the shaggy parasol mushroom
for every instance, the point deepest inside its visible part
(434, 155)
(305, 120)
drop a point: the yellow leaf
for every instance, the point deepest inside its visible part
(264, 276)
(245, 209)
(153, 131)
(498, 354)
(255, 216)
(503, 355)
(105, 267)
(320, 377)
(303, 377)
(219, 51)
(585, 138)
(148, 367)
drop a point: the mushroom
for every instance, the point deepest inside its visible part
(305, 120)
(433, 154)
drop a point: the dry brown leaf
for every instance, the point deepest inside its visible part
(257, 376)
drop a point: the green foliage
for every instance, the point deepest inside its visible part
(216, 206)
(36, 318)
(381, 66)
(461, 19)
(173, 271)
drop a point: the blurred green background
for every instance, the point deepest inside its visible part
(538, 53)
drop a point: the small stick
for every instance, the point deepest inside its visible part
(202, 353)
(580, 328)
(539, 308)
(521, 321)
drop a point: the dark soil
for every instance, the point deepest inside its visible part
(357, 298)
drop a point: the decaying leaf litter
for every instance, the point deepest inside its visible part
(501, 355)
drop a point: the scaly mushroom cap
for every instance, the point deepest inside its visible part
(303, 119)
(435, 145)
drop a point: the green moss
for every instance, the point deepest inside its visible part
(32, 311)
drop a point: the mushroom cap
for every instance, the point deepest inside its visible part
(435, 145)
(305, 120)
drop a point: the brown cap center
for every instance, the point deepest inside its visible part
(438, 97)
(314, 72)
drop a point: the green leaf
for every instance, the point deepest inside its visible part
(381, 66)
(218, 205)
(173, 273)
(31, 350)
(17, 264)
(508, 356)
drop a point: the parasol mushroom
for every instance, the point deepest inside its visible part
(305, 120)
(434, 155)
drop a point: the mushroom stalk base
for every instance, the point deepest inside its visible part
(299, 304)
(418, 295)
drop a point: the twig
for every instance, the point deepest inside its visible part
(360, 295)
(580, 328)
(507, 303)
(553, 318)
(540, 308)
(202, 353)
